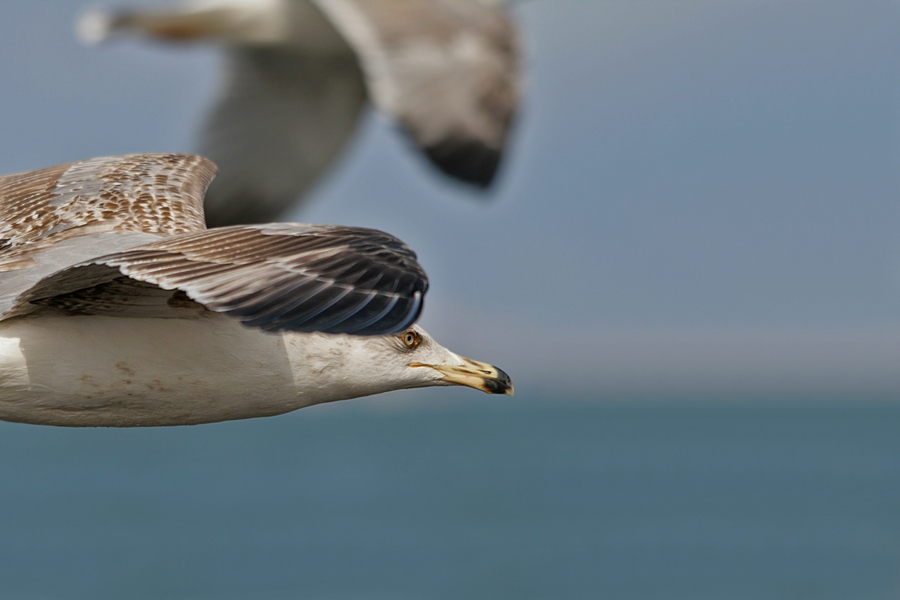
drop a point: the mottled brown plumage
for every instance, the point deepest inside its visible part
(124, 236)
(158, 194)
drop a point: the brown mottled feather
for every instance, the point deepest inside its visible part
(124, 236)
(159, 194)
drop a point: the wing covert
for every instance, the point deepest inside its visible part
(158, 194)
(278, 277)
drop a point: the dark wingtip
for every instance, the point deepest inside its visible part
(468, 160)
(399, 317)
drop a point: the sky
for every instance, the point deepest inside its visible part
(699, 197)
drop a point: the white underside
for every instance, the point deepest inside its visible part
(105, 371)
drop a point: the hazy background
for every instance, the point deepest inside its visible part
(690, 267)
(699, 196)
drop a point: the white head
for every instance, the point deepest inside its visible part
(349, 366)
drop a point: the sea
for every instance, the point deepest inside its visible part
(421, 495)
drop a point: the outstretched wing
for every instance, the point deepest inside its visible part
(279, 277)
(446, 70)
(57, 217)
(282, 119)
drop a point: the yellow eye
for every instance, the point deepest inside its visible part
(410, 339)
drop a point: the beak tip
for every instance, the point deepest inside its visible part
(480, 376)
(501, 384)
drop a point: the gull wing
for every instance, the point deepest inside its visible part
(446, 70)
(278, 277)
(57, 217)
(283, 118)
(160, 194)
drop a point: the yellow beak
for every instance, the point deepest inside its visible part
(474, 374)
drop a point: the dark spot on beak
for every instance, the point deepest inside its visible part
(500, 385)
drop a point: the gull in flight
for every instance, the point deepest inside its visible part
(298, 73)
(118, 307)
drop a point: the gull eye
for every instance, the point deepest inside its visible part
(410, 339)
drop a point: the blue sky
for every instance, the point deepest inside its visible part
(700, 196)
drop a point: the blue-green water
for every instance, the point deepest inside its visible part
(469, 498)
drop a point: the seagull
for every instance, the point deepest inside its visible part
(118, 307)
(299, 72)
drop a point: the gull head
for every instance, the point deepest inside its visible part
(349, 366)
(431, 364)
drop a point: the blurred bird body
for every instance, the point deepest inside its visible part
(294, 24)
(299, 73)
(118, 307)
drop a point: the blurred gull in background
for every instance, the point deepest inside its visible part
(299, 72)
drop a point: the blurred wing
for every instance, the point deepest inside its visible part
(281, 121)
(56, 217)
(446, 70)
(277, 277)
